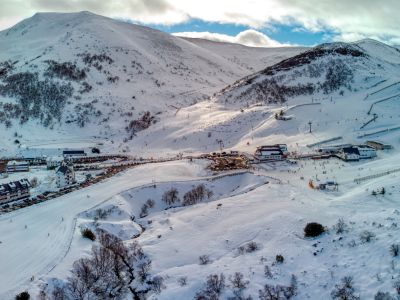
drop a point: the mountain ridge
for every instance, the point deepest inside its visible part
(126, 71)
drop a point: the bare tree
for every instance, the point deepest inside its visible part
(113, 270)
(170, 197)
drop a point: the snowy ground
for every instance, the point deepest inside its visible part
(272, 215)
(35, 250)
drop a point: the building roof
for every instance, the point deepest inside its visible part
(64, 169)
(351, 150)
(270, 151)
(14, 186)
(55, 158)
(17, 163)
(73, 152)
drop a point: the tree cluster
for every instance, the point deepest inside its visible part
(113, 271)
(196, 195)
(64, 70)
(41, 99)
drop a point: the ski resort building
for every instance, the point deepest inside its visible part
(53, 162)
(355, 153)
(378, 145)
(65, 175)
(366, 151)
(16, 190)
(73, 153)
(17, 166)
(271, 152)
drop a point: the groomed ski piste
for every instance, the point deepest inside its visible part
(244, 208)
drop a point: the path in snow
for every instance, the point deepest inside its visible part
(34, 250)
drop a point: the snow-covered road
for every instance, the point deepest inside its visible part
(35, 239)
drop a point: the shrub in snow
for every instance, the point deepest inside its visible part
(340, 226)
(170, 197)
(279, 259)
(23, 296)
(142, 122)
(394, 249)
(383, 296)
(101, 214)
(251, 247)
(279, 292)
(182, 281)
(213, 288)
(150, 203)
(248, 248)
(239, 285)
(157, 284)
(366, 236)
(313, 229)
(267, 272)
(144, 211)
(344, 290)
(204, 260)
(237, 281)
(87, 233)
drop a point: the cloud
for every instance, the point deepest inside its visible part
(145, 11)
(367, 18)
(249, 37)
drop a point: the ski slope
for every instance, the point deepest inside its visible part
(36, 249)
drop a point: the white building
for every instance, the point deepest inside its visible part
(54, 161)
(272, 152)
(17, 166)
(355, 153)
(17, 190)
(366, 151)
(65, 175)
(349, 154)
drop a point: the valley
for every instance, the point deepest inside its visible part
(196, 162)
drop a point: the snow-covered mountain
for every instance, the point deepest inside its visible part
(105, 77)
(246, 238)
(252, 58)
(325, 69)
(338, 83)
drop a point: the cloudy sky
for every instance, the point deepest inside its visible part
(250, 22)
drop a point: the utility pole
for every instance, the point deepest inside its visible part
(310, 123)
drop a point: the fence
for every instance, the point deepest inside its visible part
(379, 131)
(324, 141)
(361, 179)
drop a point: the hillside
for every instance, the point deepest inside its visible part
(325, 69)
(106, 79)
(252, 58)
(341, 84)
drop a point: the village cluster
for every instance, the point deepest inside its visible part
(280, 153)
(346, 152)
(64, 166)
(61, 168)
